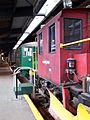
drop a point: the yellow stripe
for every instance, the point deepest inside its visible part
(36, 113)
(57, 107)
(72, 43)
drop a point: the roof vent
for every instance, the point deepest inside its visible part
(67, 3)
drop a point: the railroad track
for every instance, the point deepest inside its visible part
(40, 104)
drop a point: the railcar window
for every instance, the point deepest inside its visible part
(27, 52)
(72, 32)
(40, 44)
(52, 42)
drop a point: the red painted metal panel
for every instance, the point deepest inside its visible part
(49, 63)
(82, 64)
(52, 66)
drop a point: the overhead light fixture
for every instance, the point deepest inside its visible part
(15, 47)
(24, 36)
(48, 7)
(45, 10)
(36, 21)
(67, 3)
(88, 6)
(19, 42)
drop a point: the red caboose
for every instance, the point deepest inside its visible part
(67, 26)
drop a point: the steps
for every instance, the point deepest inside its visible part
(24, 88)
(84, 98)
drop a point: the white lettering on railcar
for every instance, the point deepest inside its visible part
(46, 62)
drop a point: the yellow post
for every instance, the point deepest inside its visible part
(33, 60)
(36, 59)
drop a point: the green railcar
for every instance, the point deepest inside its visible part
(26, 57)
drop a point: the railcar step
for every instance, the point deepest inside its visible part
(83, 100)
(19, 92)
(24, 88)
(86, 95)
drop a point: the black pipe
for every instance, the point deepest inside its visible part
(16, 88)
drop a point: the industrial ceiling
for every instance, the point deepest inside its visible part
(16, 15)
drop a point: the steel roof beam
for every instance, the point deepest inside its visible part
(8, 39)
(8, 42)
(4, 30)
(23, 11)
(16, 31)
(6, 12)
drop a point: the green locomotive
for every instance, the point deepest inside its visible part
(26, 56)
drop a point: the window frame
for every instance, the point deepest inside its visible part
(40, 40)
(49, 45)
(73, 47)
(27, 52)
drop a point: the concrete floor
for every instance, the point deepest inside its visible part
(10, 107)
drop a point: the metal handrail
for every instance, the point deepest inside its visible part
(17, 70)
(72, 43)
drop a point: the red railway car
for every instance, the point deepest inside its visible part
(66, 70)
(67, 26)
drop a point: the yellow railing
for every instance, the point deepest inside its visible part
(72, 43)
